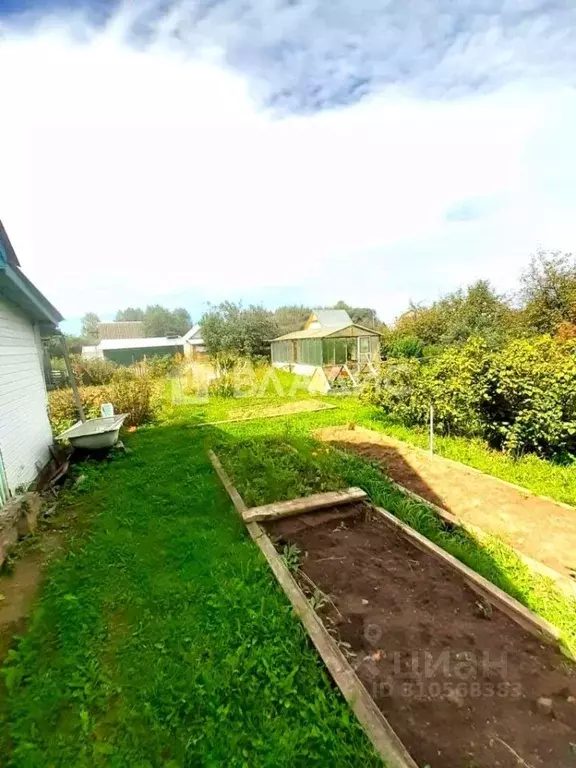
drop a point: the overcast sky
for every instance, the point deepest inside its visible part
(284, 150)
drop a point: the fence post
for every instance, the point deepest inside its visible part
(431, 428)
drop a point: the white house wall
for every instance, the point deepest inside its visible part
(25, 433)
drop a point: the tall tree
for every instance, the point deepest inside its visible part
(549, 291)
(230, 329)
(291, 317)
(159, 321)
(90, 326)
(130, 313)
(456, 317)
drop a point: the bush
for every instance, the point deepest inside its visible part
(452, 383)
(406, 346)
(133, 397)
(138, 397)
(522, 398)
(160, 367)
(530, 398)
(93, 371)
(62, 411)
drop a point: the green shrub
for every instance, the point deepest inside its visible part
(521, 398)
(529, 402)
(160, 367)
(93, 371)
(452, 382)
(62, 411)
(222, 386)
(134, 397)
(139, 397)
(406, 346)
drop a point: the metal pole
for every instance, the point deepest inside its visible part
(73, 384)
(431, 428)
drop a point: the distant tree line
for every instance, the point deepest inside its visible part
(230, 329)
(545, 303)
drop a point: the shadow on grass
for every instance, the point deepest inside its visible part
(273, 467)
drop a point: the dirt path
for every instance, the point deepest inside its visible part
(541, 529)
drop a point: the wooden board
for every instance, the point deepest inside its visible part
(303, 504)
(562, 582)
(377, 728)
(537, 626)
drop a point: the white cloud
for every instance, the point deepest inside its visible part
(130, 174)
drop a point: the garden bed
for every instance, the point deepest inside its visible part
(460, 682)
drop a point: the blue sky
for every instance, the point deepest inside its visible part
(284, 150)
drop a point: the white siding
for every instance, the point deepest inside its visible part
(25, 434)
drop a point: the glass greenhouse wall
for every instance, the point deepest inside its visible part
(354, 351)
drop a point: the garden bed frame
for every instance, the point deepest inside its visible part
(378, 729)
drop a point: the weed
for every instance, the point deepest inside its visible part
(291, 556)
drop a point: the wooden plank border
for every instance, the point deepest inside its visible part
(303, 504)
(534, 624)
(563, 582)
(377, 728)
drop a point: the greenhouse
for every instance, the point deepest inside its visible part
(329, 338)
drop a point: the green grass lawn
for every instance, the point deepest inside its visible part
(161, 638)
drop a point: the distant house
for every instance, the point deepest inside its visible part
(194, 347)
(25, 433)
(123, 329)
(128, 351)
(329, 338)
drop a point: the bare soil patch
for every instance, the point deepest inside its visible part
(537, 527)
(462, 685)
(21, 581)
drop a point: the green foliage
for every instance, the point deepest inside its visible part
(133, 397)
(521, 398)
(529, 402)
(291, 318)
(549, 291)
(158, 320)
(163, 365)
(90, 327)
(405, 346)
(223, 385)
(62, 411)
(476, 312)
(128, 392)
(230, 330)
(134, 314)
(93, 371)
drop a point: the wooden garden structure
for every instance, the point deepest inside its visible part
(329, 341)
